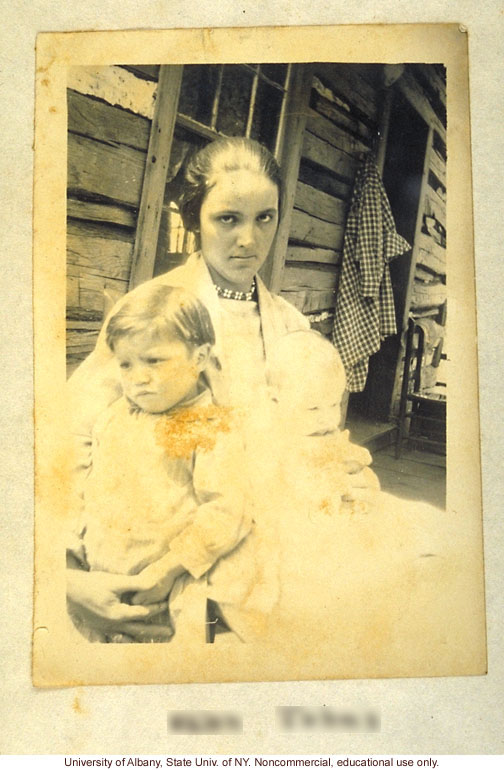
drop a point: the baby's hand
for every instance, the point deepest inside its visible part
(355, 457)
(361, 486)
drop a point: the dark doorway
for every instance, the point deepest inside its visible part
(402, 178)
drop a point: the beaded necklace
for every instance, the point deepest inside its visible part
(245, 296)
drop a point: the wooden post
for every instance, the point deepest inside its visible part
(418, 227)
(384, 130)
(295, 123)
(156, 169)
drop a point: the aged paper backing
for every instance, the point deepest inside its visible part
(58, 658)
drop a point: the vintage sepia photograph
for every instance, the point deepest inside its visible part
(257, 440)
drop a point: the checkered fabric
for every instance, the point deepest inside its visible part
(365, 312)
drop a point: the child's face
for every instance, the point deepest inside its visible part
(157, 374)
(313, 408)
(238, 221)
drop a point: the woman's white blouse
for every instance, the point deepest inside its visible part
(242, 347)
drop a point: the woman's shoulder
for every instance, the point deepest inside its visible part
(177, 276)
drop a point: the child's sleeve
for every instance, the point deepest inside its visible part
(223, 517)
(81, 467)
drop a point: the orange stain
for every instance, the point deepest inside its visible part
(190, 429)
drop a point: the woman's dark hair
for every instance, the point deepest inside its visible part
(162, 310)
(232, 153)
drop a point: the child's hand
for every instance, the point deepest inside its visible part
(156, 581)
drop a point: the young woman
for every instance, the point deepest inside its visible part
(231, 200)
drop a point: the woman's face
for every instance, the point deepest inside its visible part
(238, 221)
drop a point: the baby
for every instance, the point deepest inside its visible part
(354, 576)
(308, 381)
(164, 494)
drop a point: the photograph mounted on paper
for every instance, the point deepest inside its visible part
(255, 459)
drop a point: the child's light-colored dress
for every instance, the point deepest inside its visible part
(158, 483)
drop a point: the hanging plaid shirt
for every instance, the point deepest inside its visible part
(365, 312)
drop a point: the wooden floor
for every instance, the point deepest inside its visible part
(417, 475)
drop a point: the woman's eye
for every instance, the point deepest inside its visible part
(227, 219)
(264, 218)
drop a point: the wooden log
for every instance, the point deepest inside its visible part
(323, 154)
(116, 86)
(101, 256)
(436, 82)
(431, 255)
(438, 167)
(321, 205)
(324, 327)
(147, 71)
(98, 120)
(115, 173)
(73, 361)
(78, 341)
(307, 254)
(325, 181)
(156, 169)
(295, 278)
(339, 117)
(295, 122)
(80, 315)
(325, 129)
(319, 300)
(316, 232)
(371, 73)
(414, 93)
(72, 290)
(346, 82)
(435, 206)
(82, 350)
(308, 301)
(90, 211)
(99, 230)
(72, 325)
(93, 288)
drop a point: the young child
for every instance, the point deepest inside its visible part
(164, 495)
(361, 576)
(308, 383)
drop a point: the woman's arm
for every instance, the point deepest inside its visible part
(96, 596)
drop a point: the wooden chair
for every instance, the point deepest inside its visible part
(422, 416)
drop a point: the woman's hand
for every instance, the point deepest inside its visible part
(97, 598)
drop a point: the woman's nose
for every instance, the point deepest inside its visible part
(245, 235)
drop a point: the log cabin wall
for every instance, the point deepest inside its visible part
(343, 113)
(109, 118)
(331, 118)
